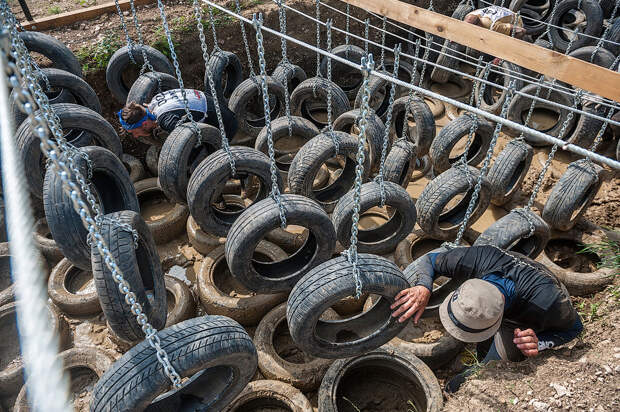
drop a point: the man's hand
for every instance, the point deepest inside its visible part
(526, 341)
(411, 301)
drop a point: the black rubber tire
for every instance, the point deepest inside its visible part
(603, 57)
(250, 92)
(290, 76)
(343, 74)
(613, 35)
(303, 99)
(607, 6)
(227, 72)
(62, 58)
(71, 116)
(375, 131)
(300, 128)
(511, 233)
(587, 127)
(572, 194)
(327, 284)
(270, 395)
(261, 218)
(208, 180)
(508, 171)
(533, 22)
(180, 156)
(182, 305)
(134, 167)
(594, 26)
(110, 184)
(120, 61)
(141, 269)
(147, 86)
(382, 239)
(450, 50)
(422, 133)
(78, 89)
(451, 134)
(520, 105)
(201, 347)
(82, 302)
(400, 163)
(542, 42)
(416, 244)
(487, 101)
(439, 191)
(390, 366)
(310, 158)
(151, 159)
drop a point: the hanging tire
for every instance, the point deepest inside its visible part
(614, 36)
(48, 247)
(110, 184)
(387, 376)
(438, 193)
(151, 159)
(85, 126)
(489, 100)
(400, 163)
(263, 217)
(300, 128)
(508, 171)
(382, 239)
(574, 267)
(72, 290)
(594, 23)
(208, 180)
(422, 132)
(221, 294)
(247, 104)
(304, 101)
(416, 244)
(454, 132)
(223, 352)
(587, 127)
(148, 85)
(450, 50)
(61, 56)
(134, 167)
(289, 74)
(180, 156)
(603, 57)
(348, 79)
(327, 284)
(201, 241)
(572, 194)
(533, 22)
(310, 158)
(227, 72)
(512, 232)
(348, 122)
(120, 61)
(180, 301)
(269, 394)
(60, 81)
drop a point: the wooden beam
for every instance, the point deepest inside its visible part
(578, 73)
(70, 17)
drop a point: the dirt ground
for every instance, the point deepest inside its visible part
(584, 375)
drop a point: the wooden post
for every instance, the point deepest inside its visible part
(578, 73)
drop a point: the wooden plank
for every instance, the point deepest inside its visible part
(578, 73)
(70, 17)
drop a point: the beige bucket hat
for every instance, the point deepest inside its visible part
(473, 312)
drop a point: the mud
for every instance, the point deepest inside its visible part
(264, 405)
(82, 382)
(428, 330)
(79, 282)
(286, 348)
(568, 255)
(154, 205)
(9, 344)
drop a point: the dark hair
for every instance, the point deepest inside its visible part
(133, 112)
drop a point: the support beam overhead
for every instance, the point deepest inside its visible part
(578, 73)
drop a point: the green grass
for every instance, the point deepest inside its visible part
(608, 251)
(96, 56)
(54, 10)
(86, 3)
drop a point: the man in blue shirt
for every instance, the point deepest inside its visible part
(513, 306)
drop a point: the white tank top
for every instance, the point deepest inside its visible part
(173, 100)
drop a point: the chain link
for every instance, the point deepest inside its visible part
(411, 93)
(382, 62)
(245, 38)
(330, 127)
(366, 34)
(147, 64)
(286, 64)
(318, 39)
(541, 80)
(216, 45)
(127, 37)
(605, 33)
(347, 24)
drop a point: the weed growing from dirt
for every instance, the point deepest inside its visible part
(413, 408)
(352, 404)
(609, 252)
(54, 10)
(96, 56)
(589, 312)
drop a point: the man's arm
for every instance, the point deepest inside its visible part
(552, 338)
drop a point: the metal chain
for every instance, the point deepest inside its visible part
(541, 80)
(245, 37)
(430, 6)
(382, 62)
(366, 34)
(330, 127)
(606, 32)
(318, 39)
(388, 124)
(410, 94)
(368, 65)
(427, 51)
(347, 23)
(216, 45)
(599, 136)
(275, 190)
(127, 37)
(54, 147)
(286, 64)
(212, 87)
(147, 64)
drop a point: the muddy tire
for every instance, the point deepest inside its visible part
(383, 239)
(422, 133)
(268, 394)
(151, 159)
(201, 241)
(594, 24)
(603, 57)
(61, 56)
(587, 127)
(572, 194)
(180, 156)
(134, 167)
(83, 301)
(120, 61)
(342, 74)
(182, 306)
(416, 244)
(243, 306)
(260, 219)
(92, 126)
(304, 98)
(248, 92)
(327, 284)
(438, 193)
(141, 268)
(148, 85)
(290, 75)
(227, 72)
(308, 161)
(400, 163)
(222, 352)
(110, 184)
(209, 178)
(450, 50)
(488, 101)
(451, 134)
(508, 171)
(48, 247)
(375, 131)
(397, 368)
